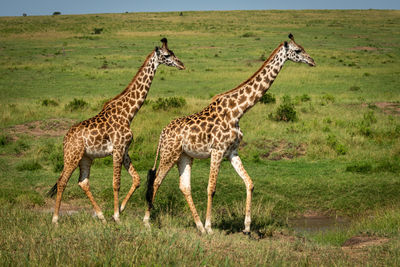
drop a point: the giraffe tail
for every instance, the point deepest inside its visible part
(53, 191)
(151, 176)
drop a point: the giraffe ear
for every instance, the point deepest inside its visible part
(157, 49)
(286, 45)
(164, 41)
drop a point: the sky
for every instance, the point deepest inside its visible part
(47, 7)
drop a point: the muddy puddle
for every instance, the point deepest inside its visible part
(318, 223)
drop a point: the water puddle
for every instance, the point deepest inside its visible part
(317, 223)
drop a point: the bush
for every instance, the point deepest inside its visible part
(355, 88)
(76, 104)
(4, 140)
(364, 126)
(169, 102)
(49, 102)
(97, 30)
(30, 165)
(268, 98)
(362, 167)
(339, 148)
(305, 98)
(285, 112)
(248, 34)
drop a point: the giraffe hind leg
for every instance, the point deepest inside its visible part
(70, 164)
(84, 167)
(166, 163)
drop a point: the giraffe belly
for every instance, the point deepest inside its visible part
(99, 151)
(203, 153)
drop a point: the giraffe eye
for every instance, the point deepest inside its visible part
(167, 56)
(298, 51)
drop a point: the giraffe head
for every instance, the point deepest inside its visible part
(167, 57)
(296, 52)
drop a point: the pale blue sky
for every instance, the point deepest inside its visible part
(47, 7)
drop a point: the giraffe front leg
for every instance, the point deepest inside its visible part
(238, 166)
(135, 179)
(216, 158)
(117, 164)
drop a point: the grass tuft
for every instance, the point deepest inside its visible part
(76, 105)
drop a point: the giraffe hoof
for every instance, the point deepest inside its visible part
(209, 231)
(246, 233)
(116, 219)
(147, 224)
(121, 209)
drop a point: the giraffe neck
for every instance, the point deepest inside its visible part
(129, 101)
(246, 95)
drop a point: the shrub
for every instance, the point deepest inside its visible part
(326, 99)
(268, 98)
(4, 140)
(169, 102)
(49, 102)
(355, 88)
(286, 111)
(56, 13)
(248, 34)
(361, 167)
(339, 148)
(76, 104)
(30, 165)
(97, 30)
(305, 98)
(20, 146)
(369, 118)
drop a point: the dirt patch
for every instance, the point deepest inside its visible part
(357, 246)
(313, 222)
(365, 48)
(282, 149)
(50, 128)
(391, 108)
(67, 208)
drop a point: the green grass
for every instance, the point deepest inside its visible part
(340, 157)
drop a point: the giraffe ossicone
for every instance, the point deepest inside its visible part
(214, 133)
(109, 133)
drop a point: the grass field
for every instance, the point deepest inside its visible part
(339, 159)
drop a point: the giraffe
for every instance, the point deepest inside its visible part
(109, 133)
(214, 133)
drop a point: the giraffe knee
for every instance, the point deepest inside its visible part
(84, 184)
(250, 186)
(185, 189)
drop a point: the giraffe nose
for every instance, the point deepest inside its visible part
(312, 63)
(181, 66)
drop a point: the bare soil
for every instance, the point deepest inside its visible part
(67, 207)
(50, 128)
(282, 149)
(357, 246)
(365, 48)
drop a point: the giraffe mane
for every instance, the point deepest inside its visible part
(243, 83)
(133, 80)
